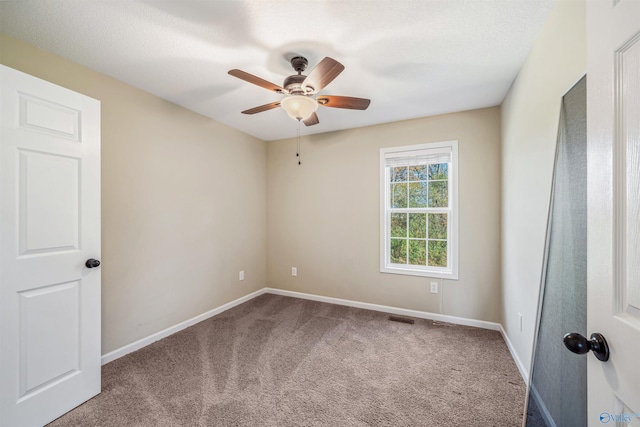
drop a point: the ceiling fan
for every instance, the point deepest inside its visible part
(300, 103)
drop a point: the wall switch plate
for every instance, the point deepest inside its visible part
(241, 275)
(434, 287)
(520, 321)
(294, 271)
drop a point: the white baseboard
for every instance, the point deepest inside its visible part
(387, 309)
(137, 345)
(523, 371)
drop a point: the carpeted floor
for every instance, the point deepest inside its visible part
(280, 361)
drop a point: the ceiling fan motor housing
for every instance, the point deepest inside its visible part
(293, 85)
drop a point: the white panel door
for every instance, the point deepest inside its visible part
(50, 227)
(613, 121)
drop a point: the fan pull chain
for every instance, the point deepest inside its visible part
(298, 145)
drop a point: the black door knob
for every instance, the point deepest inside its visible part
(580, 345)
(92, 263)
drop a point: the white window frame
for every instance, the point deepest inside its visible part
(451, 271)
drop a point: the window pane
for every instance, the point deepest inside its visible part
(418, 173)
(399, 196)
(398, 225)
(418, 195)
(437, 253)
(417, 225)
(437, 226)
(417, 252)
(399, 251)
(439, 171)
(399, 174)
(438, 194)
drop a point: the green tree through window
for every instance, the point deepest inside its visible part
(419, 238)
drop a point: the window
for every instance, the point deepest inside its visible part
(419, 210)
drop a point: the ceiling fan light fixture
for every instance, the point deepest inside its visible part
(300, 104)
(299, 107)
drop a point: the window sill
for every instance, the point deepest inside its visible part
(436, 274)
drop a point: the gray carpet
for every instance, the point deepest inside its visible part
(280, 361)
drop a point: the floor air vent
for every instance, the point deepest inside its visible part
(401, 319)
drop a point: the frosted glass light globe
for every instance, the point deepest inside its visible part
(299, 107)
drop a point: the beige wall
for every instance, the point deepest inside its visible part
(530, 115)
(324, 216)
(183, 203)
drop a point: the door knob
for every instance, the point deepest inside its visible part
(580, 345)
(92, 263)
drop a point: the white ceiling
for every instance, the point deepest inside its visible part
(412, 58)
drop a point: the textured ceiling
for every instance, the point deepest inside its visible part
(412, 58)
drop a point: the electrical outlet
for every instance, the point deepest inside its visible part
(241, 275)
(434, 287)
(294, 271)
(520, 321)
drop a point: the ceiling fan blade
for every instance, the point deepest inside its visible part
(262, 108)
(256, 80)
(311, 120)
(323, 74)
(344, 102)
